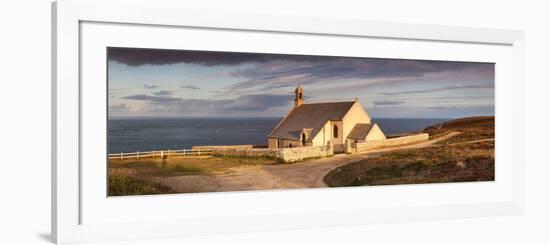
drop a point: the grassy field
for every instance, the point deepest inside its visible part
(135, 176)
(468, 156)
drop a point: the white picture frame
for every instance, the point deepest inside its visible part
(68, 16)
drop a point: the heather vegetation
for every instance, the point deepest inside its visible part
(468, 156)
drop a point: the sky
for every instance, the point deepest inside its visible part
(184, 83)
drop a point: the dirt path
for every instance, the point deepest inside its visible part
(306, 174)
(472, 142)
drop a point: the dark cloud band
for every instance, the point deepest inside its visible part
(251, 102)
(156, 99)
(148, 86)
(137, 57)
(455, 87)
(387, 103)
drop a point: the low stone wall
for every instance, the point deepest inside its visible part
(246, 152)
(369, 145)
(286, 155)
(221, 147)
(295, 154)
(301, 153)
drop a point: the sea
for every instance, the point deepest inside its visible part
(147, 134)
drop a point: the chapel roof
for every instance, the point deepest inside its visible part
(360, 131)
(310, 116)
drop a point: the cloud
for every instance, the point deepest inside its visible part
(285, 73)
(461, 107)
(156, 99)
(119, 107)
(387, 103)
(191, 87)
(223, 107)
(250, 103)
(277, 65)
(147, 86)
(258, 102)
(443, 107)
(454, 87)
(138, 57)
(184, 107)
(117, 89)
(260, 72)
(163, 93)
(258, 82)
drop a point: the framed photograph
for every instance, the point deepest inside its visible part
(173, 122)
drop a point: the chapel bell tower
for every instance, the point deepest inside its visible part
(299, 92)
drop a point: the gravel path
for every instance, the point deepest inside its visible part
(306, 174)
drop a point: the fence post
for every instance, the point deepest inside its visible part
(137, 155)
(121, 156)
(161, 154)
(199, 152)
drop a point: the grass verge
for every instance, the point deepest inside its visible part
(122, 185)
(169, 167)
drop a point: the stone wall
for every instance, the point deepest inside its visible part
(246, 152)
(222, 147)
(300, 153)
(294, 154)
(369, 145)
(286, 155)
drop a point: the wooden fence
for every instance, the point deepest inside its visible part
(161, 154)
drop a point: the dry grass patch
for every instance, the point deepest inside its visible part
(185, 165)
(121, 185)
(144, 176)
